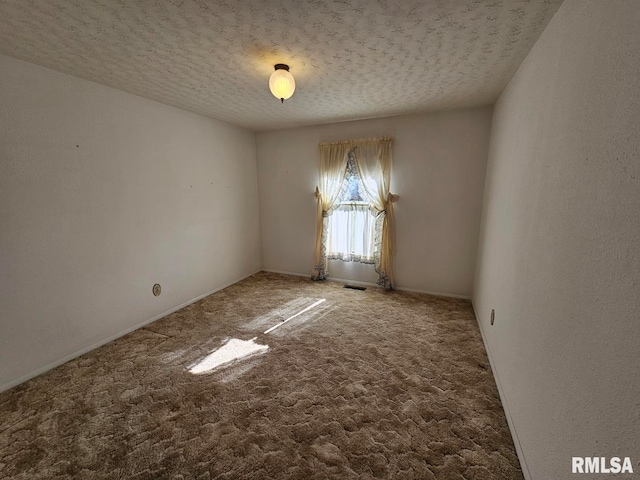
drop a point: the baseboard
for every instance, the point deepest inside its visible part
(281, 272)
(352, 282)
(329, 279)
(100, 343)
(369, 284)
(435, 294)
(503, 399)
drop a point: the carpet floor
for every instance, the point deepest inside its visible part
(273, 377)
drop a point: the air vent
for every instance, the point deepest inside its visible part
(355, 287)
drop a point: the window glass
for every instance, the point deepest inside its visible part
(352, 188)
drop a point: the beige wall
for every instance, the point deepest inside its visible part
(103, 194)
(559, 254)
(438, 171)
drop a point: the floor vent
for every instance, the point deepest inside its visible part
(355, 287)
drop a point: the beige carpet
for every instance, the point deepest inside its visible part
(355, 384)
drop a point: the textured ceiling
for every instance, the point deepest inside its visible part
(351, 58)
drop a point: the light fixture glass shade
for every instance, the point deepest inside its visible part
(282, 84)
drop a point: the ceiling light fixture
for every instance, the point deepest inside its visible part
(282, 83)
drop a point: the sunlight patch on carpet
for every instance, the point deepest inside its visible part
(234, 349)
(277, 315)
(310, 307)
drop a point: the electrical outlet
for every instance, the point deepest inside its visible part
(493, 316)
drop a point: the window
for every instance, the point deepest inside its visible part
(351, 229)
(355, 220)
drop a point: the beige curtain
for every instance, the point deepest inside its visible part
(374, 161)
(333, 169)
(373, 157)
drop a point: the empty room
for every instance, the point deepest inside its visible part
(319, 239)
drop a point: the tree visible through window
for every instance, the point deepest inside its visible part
(351, 229)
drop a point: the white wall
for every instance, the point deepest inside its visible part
(438, 171)
(559, 255)
(103, 194)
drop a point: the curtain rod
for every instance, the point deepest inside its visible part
(358, 140)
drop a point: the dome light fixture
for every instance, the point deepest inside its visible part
(281, 83)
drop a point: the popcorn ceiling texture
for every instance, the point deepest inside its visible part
(366, 384)
(351, 59)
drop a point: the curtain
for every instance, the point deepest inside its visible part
(351, 234)
(373, 158)
(333, 168)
